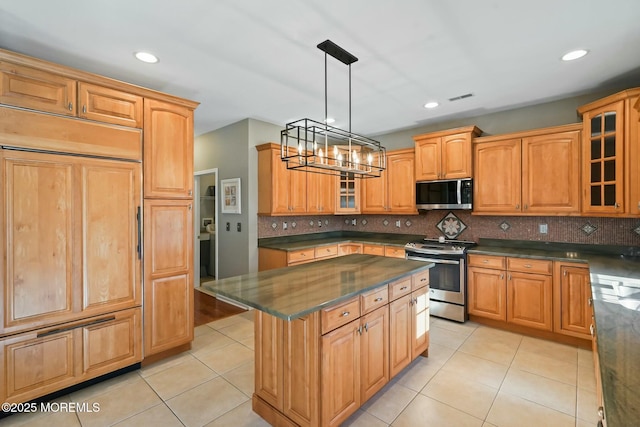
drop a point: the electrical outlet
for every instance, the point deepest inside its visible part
(284, 225)
(319, 223)
(398, 223)
(228, 226)
(354, 221)
(239, 227)
(543, 228)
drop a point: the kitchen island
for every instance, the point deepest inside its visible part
(330, 334)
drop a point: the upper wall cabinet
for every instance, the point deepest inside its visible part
(41, 90)
(281, 191)
(394, 191)
(534, 172)
(610, 178)
(168, 150)
(37, 89)
(444, 155)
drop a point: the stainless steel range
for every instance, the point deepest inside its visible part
(448, 278)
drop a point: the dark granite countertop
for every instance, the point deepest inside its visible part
(615, 286)
(305, 241)
(292, 292)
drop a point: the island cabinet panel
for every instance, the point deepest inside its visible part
(572, 299)
(340, 389)
(374, 352)
(168, 150)
(400, 337)
(419, 322)
(269, 381)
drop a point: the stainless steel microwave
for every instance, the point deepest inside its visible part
(449, 194)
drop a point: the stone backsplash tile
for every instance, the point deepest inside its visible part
(610, 231)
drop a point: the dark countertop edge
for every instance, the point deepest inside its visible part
(305, 241)
(341, 298)
(519, 252)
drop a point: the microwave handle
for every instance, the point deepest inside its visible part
(459, 192)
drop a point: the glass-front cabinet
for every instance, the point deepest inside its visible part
(603, 154)
(611, 155)
(348, 194)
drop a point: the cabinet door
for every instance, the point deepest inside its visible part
(168, 288)
(633, 154)
(400, 335)
(487, 293)
(347, 193)
(401, 188)
(603, 168)
(38, 239)
(109, 105)
(36, 89)
(111, 250)
(340, 395)
(321, 193)
(374, 352)
(298, 191)
(496, 187)
(572, 296)
(551, 162)
(456, 156)
(168, 150)
(32, 365)
(112, 343)
(420, 322)
(374, 193)
(529, 298)
(427, 159)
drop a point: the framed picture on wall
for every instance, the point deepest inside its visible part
(231, 194)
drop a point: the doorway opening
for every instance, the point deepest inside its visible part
(205, 253)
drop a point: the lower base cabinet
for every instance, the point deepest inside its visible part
(40, 362)
(307, 378)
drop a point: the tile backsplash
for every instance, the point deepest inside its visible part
(591, 230)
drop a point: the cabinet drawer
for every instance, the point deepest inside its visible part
(394, 251)
(486, 261)
(326, 251)
(301, 255)
(420, 280)
(349, 248)
(109, 105)
(373, 299)
(340, 314)
(399, 288)
(369, 249)
(528, 265)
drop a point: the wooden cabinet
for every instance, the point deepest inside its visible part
(168, 150)
(321, 193)
(319, 369)
(347, 193)
(40, 362)
(168, 290)
(72, 223)
(349, 248)
(394, 191)
(572, 299)
(373, 249)
(108, 105)
(513, 173)
(281, 191)
(610, 182)
(514, 290)
(37, 89)
(444, 155)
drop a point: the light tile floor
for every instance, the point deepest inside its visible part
(474, 376)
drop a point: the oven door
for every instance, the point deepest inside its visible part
(446, 278)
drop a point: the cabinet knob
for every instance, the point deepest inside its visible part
(526, 206)
(592, 330)
(501, 276)
(377, 299)
(509, 277)
(590, 302)
(345, 313)
(84, 109)
(403, 288)
(359, 330)
(190, 192)
(518, 206)
(601, 412)
(617, 205)
(366, 327)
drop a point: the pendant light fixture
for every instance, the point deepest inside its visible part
(313, 146)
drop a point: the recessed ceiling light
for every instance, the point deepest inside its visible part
(146, 57)
(432, 104)
(329, 120)
(574, 54)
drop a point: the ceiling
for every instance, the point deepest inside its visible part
(258, 59)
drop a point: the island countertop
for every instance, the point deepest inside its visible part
(293, 292)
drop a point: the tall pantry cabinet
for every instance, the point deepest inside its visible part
(96, 265)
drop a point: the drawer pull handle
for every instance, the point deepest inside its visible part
(377, 299)
(485, 261)
(366, 327)
(70, 328)
(345, 313)
(424, 279)
(527, 266)
(403, 288)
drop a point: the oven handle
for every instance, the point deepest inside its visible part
(437, 261)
